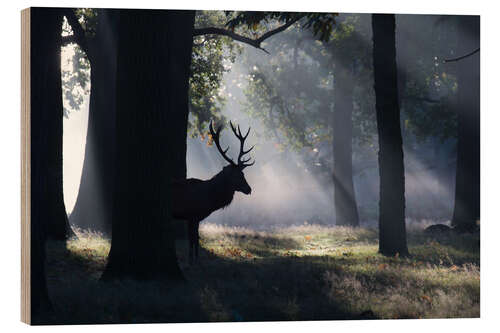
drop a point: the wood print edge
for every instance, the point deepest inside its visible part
(25, 168)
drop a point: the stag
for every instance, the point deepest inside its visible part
(195, 199)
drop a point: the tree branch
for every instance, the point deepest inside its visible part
(462, 57)
(78, 32)
(224, 32)
(279, 29)
(68, 40)
(240, 38)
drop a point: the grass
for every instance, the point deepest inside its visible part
(295, 273)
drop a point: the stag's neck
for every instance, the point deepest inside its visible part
(222, 192)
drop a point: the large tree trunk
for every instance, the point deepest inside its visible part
(93, 207)
(346, 210)
(48, 216)
(152, 82)
(392, 229)
(47, 119)
(467, 188)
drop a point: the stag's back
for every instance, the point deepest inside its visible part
(190, 199)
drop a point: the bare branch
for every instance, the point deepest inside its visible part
(462, 57)
(240, 38)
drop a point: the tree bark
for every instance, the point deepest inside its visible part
(152, 82)
(93, 207)
(346, 210)
(467, 189)
(392, 229)
(48, 217)
(47, 122)
(47, 119)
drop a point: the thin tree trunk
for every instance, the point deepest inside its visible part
(93, 207)
(392, 229)
(152, 82)
(467, 189)
(346, 210)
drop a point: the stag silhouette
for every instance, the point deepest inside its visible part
(193, 199)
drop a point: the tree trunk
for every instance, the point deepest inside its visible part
(346, 210)
(392, 229)
(152, 82)
(93, 207)
(467, 189)
(47, 121)
(48, 217)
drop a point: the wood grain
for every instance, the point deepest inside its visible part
(25, 168)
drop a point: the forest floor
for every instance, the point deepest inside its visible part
(294, 273)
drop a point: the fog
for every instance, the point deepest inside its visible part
(74, 137)
(286, 190)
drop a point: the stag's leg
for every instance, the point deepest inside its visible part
(192, 239)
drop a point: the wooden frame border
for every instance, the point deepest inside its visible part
(25, 166)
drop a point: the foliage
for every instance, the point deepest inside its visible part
(321, 24)
(212, 58)
(291, 90)
(75, 72)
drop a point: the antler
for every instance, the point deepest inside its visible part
(242, 163)
(215, 138)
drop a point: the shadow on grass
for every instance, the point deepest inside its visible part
(266, 246)
(80, 298)
(217, 289)
(250, 276)
(269, 289)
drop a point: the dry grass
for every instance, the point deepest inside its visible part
(293, 273)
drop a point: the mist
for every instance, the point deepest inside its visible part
(287, 188)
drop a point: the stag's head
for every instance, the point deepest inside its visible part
(234, 171)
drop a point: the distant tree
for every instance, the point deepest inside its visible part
(297, 100)
(426, 88)
(348, 49)
(98, 41)
(152, 99)
(346, 210)
(392, 229)
(467, 189)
